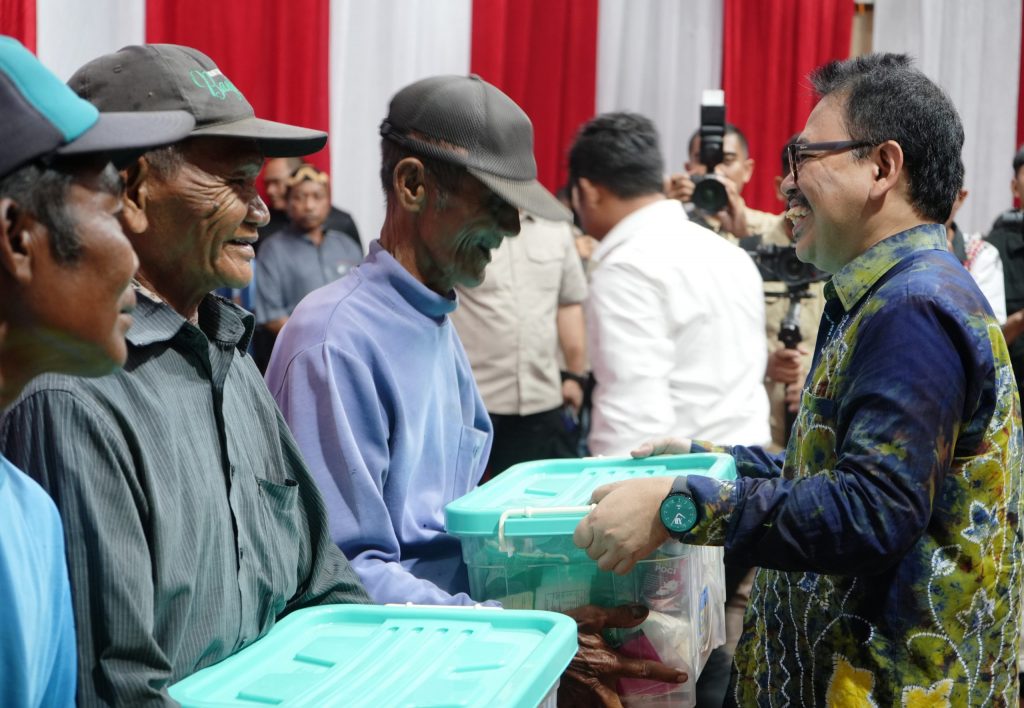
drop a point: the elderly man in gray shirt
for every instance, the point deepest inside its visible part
(192, 523)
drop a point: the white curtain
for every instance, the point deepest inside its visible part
(68, 34)
(376, 49)
(972, 49)
(655, 57)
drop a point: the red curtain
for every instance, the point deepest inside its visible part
(277, 57)
(18, 20)
(543, 54)
(769, 48)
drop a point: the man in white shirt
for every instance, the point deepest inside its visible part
(675, 314)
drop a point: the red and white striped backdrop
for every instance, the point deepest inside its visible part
(333, 65)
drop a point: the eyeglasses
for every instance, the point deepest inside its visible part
(798, 152)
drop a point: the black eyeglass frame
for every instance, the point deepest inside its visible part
(794, 151)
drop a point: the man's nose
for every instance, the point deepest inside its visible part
(257, 213)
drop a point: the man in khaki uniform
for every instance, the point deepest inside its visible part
(513, 326)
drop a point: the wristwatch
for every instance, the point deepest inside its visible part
(679, 513)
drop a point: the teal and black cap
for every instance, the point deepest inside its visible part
(42, 117)
(160, 77)
(467, 121)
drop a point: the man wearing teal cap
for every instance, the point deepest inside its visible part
(65, 304)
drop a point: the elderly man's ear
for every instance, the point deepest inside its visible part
(136, 197)
(21, 237)
(410, 184)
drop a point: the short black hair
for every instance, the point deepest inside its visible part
(730, 129)
(42, 190)
(1018, 160)
(886, 98)
(620, 152)
(448, 175)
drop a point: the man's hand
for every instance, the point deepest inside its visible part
(590, 677)
(625, 527)
(662, 446)
(679, 186)
(734, 216)
(786, 365)
(572, 394)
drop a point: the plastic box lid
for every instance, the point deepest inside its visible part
(373, 655)
(549, 497)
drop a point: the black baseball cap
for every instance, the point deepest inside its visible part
(41, 116)
(155, 77)
(467, 121)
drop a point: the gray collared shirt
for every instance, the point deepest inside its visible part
(290, 267)
(192, 523)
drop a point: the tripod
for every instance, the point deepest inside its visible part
(789, 331)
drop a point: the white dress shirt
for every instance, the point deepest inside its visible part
(675, 329)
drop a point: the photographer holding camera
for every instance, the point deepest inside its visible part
(725, 213)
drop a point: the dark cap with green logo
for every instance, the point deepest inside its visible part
(43, 117)
(158, 77)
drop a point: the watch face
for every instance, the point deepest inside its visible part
(679, 513)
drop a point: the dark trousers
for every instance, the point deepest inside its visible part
(522, 438)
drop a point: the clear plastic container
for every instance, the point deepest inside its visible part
(516, 534)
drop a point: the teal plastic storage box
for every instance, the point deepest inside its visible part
(516, 533)
(373, 656)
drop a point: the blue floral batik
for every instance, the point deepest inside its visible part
(888, 532)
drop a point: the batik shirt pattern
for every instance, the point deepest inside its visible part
(888, 533)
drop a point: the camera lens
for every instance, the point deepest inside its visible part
(709, 194)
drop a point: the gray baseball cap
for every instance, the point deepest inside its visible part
(159, 77)
(467, 121)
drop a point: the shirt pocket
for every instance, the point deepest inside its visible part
(468, 467)
(544, 257)
(280, 501)
(814, 435)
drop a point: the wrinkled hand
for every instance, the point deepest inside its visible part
(572, 394)
(662, 446)
(786, 365)
(590, 677)
(625, 527)
(679, 186)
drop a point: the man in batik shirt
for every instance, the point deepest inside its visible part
(887, 533)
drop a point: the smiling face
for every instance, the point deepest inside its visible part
(827, 203)
(202, 221)
(457, 233)
(80, 310)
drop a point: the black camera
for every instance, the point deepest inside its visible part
(709, 193)
(779, 263)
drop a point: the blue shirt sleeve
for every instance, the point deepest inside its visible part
(893, 422)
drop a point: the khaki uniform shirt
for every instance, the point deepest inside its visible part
(508, 323)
